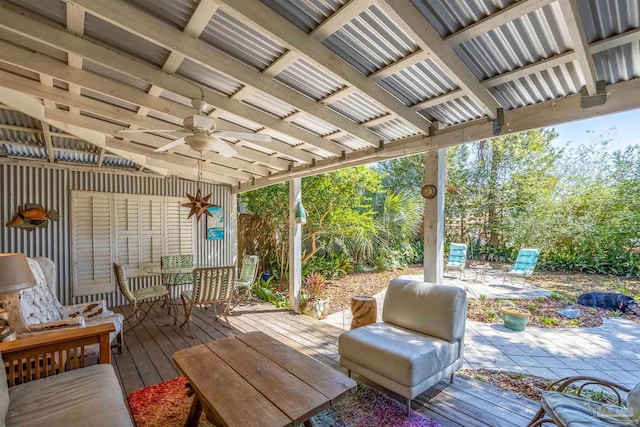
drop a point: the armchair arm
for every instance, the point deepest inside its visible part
(88, 310)
(43, 355)
(563, 384)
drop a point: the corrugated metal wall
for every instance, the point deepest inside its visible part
(52, 189)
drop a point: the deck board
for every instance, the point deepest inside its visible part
(148, 350)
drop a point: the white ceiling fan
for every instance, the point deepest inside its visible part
(203, 134)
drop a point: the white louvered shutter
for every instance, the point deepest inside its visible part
(179, 229)
(151, 225)
(92, 245)
(126, 215)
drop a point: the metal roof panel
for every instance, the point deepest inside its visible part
(117, 76)
(528, 39)
(305, 14)
(453, 112)
(52, 9)
(16, 118)
(618, 64)
(351, 142)
(358, 108)
(174, 12)
(315, 125)
(19, 71)
(210, 78)
(108, 99)
(11, 135)
(124, 40)
(370, 41)
(33, 152)
(395, 129)
(118, 162)
(240, 41)
(559, 81)
(76, 157)
(309, 80)
(74, 144)
(448, 16)
(419, 82)
(269, 104)
(603, 18)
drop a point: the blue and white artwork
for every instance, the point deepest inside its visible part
(215, 223)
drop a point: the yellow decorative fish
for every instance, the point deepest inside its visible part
(32, 216)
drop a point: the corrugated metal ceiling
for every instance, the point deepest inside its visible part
(370, 41)
(74, 144)
(418, 82)
(605, 18)
(174, 12)
(449, 16)
(269, 104)
(76, 157)
(315, 125)
(305, 14)
(11, 135)
(16, 118)
(526, 40)
(240, 41)
(453, 112)
(309, 80)
(52, 9)
(395, 129)
(207, 77)
(618, 64)
(124, 40)
(358, 108)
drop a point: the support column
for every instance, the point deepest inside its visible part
(434, 174)
(295, 245)
(233, 230)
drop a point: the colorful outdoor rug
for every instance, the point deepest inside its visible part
(166, 405)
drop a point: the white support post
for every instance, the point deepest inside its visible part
(295, 246)
(233, 231)
(434, 174)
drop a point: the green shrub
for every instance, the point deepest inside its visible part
(533, 307)
(549, 321)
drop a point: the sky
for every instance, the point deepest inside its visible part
(623, 129)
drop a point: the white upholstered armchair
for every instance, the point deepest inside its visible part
(419, 342)
(41, 309)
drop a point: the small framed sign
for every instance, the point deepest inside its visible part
(215, 223)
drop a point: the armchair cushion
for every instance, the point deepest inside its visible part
(38, 305)
(633, 403)
(576, 411)
(4, 395)
(396, 353)
(429, 309)
(87, 310)
(89, 396)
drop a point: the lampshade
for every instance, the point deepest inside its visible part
(15, 273)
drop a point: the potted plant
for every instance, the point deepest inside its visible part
(314, 303)
(514, 318)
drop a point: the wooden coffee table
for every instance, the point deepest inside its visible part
(252, 379)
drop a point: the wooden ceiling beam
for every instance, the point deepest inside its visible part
(578, 36)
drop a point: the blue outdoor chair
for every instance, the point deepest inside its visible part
(457, 257)
(524, 266)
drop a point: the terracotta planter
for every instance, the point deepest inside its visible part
(514, 318)
(318, 309)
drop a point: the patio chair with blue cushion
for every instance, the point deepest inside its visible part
(562, 405)
(524, 265)
(457, 257)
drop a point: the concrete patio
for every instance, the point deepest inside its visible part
(611, 351)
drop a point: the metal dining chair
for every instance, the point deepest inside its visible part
(136, 297)
(211, 286)
(176, 262)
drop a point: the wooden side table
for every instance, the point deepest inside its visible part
(364, 310)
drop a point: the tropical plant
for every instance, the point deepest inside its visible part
(314, 288)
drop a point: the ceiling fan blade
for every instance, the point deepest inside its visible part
(149, 130)
(225, 148)
(247, 136)
(170, 145)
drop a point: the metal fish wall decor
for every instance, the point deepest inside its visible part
(32, 216)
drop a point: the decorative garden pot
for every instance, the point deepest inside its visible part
(318, 309)
(514, 318)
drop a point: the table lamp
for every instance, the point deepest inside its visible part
(15, 275)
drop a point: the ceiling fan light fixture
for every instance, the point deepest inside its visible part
(201, 142)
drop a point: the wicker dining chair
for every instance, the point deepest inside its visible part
(211, 286)
(136, 297)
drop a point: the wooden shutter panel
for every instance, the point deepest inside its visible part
(179, 229)
(92, 249)
(151, 225)
(127, 232)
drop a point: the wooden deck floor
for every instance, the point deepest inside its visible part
(147, 360)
